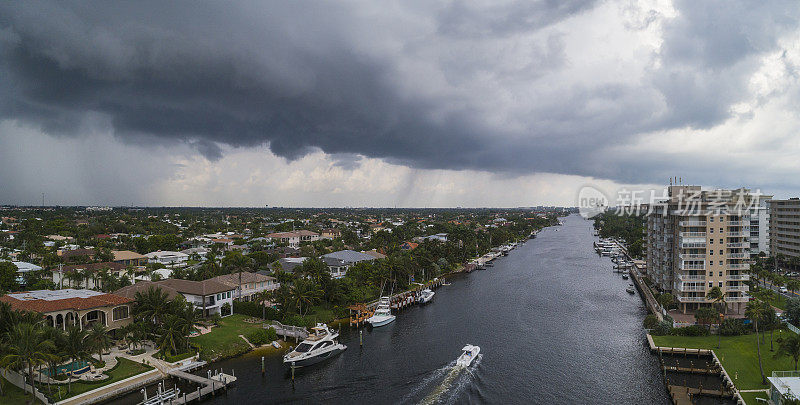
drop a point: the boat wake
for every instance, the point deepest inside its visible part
(452, 380)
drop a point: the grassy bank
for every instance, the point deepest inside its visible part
(13, 395)
(124, 369)
(223, 341)
(737, 354)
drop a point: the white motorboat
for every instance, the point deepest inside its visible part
(468, 355)
(321, 344)
(425, 296)
(383, 314)
(630, 289)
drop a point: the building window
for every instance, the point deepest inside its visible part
(720, 284)
(120, 313)
(720, 274)
(710, 284)
(229, 294)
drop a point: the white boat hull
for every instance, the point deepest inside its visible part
(468, 356)
(381, 321)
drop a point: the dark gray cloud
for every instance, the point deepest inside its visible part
(304, 75)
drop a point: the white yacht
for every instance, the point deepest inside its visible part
(383, 314)
(425, 296)
(469, 354)
(320, 345)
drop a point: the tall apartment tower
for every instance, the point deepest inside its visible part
(759, 225)
(697, 240)
(784, 227)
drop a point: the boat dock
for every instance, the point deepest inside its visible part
(359, 313)
(290, 331)
(216, 381)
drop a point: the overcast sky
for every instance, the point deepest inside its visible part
(393, 103)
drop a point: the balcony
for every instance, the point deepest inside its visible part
(693, 234)
(692, 223)
(693, 245)
(691, 299)
(738, 245)
(744, 298)
(693, 277)
(736, 234)
(738, 256)
(738, 266)
(691, 288)
(737, 288)
(693, 266)
(685, 256)
(738, 277)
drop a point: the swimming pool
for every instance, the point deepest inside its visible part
(76, 367)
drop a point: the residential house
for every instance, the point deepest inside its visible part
(252, 284)
(288, 264)
(339, 262)
(77, 255)
(294, 238)
(70, 307)
(374, 253)
(208, 296)
(408, 245)
(86, 275)
(24, 267)
(168, 258)
(331, 234)
(129, 258)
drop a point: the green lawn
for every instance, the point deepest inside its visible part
(124, 369)
(750, 397)
(224, 341)
(13, 395)
(738, 355)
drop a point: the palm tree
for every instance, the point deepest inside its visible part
(27, 348)
(789, 346)
(151, 305)
(754, 311)
(793, 285)
(74, 348)
(171, 334)
(718, 297)
(262, 297)
(304, 292)
(706, 315)
(98, 339)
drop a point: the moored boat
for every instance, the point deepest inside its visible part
(321, 344)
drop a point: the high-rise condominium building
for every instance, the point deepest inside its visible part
(784, 227)
(700, 239)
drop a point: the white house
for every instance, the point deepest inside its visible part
(252, 284)
(208, 296)
(168, 258)
(294, 238)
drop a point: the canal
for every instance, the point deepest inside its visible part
(553, 321)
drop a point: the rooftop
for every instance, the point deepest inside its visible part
(49, 301)
(350, 256)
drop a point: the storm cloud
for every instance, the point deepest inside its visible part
(505, 87)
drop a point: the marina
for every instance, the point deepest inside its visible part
(413, 358)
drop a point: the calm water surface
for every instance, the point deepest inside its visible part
(554, 324)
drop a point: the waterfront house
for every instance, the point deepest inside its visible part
(71, 307)
(208, 296)
(339, 262)
(288, 264)
(252, 284)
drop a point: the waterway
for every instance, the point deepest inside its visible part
(554, 324)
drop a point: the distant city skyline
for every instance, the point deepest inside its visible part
(364, 104)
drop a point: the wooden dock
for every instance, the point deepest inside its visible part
(290, 331)
(359, 313)
(207, 386)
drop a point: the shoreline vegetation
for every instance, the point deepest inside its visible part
(409, 247)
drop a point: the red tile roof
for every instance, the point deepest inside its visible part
(74, 303)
